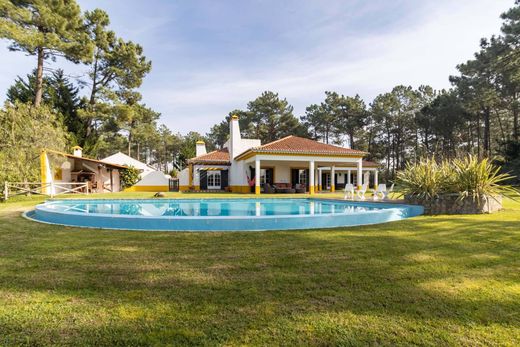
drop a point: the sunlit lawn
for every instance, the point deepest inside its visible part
(448, 280)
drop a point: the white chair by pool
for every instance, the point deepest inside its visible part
(361, 192)
(388, 192)
(349, 191)
(382, 192)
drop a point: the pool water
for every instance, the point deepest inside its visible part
(213, 207)
(218, 214)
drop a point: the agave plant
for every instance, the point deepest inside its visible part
(477, 179)
(426, 179)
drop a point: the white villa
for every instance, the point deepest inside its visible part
(151, 180)
(245, 165)
(126, 160)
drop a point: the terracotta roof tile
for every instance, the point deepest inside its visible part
(218, 156)
(370, 164)
(295, 144)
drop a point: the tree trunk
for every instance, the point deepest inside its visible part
(478, 136)
(129, 143)
(39, 78)
(516, 130)
(487, 134)
(93, 92)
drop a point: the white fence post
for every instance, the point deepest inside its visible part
(6, 191)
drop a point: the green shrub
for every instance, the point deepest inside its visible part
(425, 179)
(467, 177)
(477, 178)
(129, 176)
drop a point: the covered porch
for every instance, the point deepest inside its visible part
(314, 172)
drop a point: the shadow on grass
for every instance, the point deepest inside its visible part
(436, 276)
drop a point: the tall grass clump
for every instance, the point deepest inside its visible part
(475, 179)
(468, 177)
(425, 179)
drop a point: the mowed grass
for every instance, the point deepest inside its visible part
(445, 280)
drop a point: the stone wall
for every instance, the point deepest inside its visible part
(450, 204)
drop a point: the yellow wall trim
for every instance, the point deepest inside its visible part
(147, 189)
(240, 189)
(43, 169)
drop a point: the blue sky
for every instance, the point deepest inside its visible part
(210, 57)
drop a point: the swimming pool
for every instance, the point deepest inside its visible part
(218, 214)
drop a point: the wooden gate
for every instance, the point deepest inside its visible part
(173, 185)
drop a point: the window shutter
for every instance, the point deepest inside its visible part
(203, 180)
(224, 177)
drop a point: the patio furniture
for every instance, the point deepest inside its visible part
(349, 191)
(361, 192)
(300, 189)
(269, 189)
(284, 188)
(386, 193)
(380, 191)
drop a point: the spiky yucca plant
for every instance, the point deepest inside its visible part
(476, 179)
(426, 179)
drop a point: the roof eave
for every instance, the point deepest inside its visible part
(356, 154)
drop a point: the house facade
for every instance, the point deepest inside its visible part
(150, 179)
(245, 165)
(62, 171)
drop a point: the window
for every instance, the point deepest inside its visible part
(214, 180)
(302, 177)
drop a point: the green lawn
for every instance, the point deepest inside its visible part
(446, 280)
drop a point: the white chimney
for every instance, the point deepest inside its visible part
(234, 137)
(77, 151)
(200, 148)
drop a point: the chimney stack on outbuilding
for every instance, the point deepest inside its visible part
(200, 148)
(77, 151)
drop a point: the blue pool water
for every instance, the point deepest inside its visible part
(218, 214)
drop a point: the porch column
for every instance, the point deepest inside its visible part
(376, 180)
(332, 183)
(316, 175)
(348, 177)
(359, 173)
(320, 186)
(190, 176)
(366, 178)
(257, 176)
(311, 177)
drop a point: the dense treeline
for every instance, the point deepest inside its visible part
(478, 115)
(101, 111)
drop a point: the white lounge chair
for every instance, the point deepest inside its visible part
(380, 191)
(361, 192)
(349, 191)
(386, 193)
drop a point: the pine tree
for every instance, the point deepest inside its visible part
(46, 29)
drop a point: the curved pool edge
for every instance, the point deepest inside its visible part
(391, 212)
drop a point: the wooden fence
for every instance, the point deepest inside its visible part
(49, 189)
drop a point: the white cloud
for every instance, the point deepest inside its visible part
(420, 48)
(425, 51)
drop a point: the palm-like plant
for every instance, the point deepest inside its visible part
(477, 179)
(467, 177)
(426, 179)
